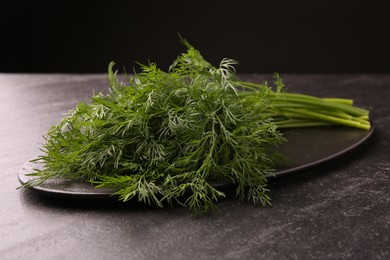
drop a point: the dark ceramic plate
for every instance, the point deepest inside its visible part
(306, 147)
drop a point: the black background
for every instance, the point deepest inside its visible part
(265, 36)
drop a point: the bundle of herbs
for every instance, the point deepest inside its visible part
(164, 137)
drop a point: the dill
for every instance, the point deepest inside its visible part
(165, 136)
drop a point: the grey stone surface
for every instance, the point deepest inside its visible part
(338, 210)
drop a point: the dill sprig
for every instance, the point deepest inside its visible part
(166, 136)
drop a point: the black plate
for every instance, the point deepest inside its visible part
(306, 147)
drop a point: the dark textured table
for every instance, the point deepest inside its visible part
(338, 210)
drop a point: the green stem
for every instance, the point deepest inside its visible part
(292, 123)
(333, 119)
(336, 103)
(318, 102)
(340, 100)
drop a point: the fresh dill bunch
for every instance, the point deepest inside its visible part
(165, 137)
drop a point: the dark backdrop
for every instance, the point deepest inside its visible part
(343, 36)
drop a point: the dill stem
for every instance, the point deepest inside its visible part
(345, 101)
(297, 123)
(335, 103)
(333, 119)
(318, 102)
(300, 110)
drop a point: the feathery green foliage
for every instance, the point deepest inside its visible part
(165, 136)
